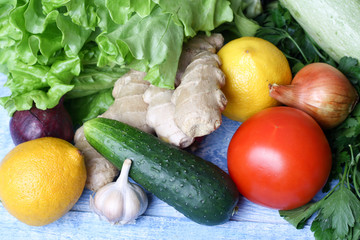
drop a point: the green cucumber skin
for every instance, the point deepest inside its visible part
(195, 187)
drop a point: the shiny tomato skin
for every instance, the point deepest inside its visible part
(279, 158)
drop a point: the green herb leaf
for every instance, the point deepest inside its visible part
(339, 212)
(350, 67)
(356, 231)
(298, 217)
(319, 233)
(338, 216)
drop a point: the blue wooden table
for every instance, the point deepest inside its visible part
(160, 221)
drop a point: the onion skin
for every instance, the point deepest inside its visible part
(35, 123)
(320, 90)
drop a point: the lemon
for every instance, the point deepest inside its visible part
(250, 64)
(41, 180)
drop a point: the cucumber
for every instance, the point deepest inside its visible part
(195, 187)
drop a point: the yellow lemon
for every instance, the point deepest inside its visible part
(250, 64)
(41, 180)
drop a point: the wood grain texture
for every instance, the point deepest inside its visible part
(160, 221)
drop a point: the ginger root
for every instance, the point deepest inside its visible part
(194, 108)
(193, 47)
(198, 99)
(160, 116)
(99, 170)
(128, 107)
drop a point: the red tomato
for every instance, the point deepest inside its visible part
(279, 158)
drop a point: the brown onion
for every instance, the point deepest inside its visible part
(320, 90)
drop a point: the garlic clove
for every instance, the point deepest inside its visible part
(120, 202)
(108, 202)
(133, 208)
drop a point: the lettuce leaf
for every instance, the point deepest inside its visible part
(47, 47)
(88, 107)
(194, 16)
(95, 79)
(39, 84)
(156, 51)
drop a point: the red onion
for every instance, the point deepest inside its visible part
(320, 90)
(35, 123)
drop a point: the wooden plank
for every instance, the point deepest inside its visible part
(85, 225)
(250, 222)
(159, 208)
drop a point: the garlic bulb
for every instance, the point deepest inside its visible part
(121, 201)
